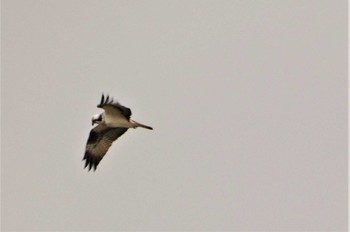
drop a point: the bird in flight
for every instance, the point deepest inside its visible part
(112, 123)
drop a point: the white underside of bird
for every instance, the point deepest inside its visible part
(112, 121)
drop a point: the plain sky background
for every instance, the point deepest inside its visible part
(248, 100)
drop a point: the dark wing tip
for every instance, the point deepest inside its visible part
(102, 99)
(105, 101)
(91, 161)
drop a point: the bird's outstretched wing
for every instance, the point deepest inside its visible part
(99, 141)
(114, 108)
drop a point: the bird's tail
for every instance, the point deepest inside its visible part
(137, 124)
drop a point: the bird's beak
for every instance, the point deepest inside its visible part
(93, 122)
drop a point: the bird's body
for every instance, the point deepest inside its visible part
(112, 123)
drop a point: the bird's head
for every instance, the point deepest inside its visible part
(97, 118)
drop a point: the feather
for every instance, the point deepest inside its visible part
(98, 143)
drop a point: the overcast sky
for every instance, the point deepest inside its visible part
(248, 101)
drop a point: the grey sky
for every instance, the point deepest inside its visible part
(247, 100)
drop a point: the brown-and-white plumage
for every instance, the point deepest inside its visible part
(112, 123)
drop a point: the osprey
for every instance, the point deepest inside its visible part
(112, 123)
